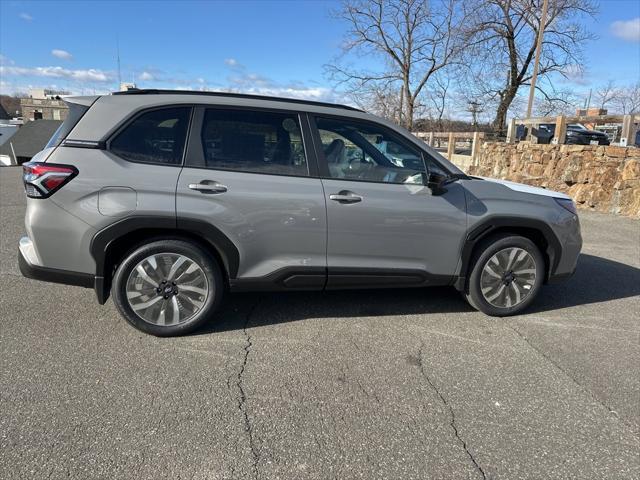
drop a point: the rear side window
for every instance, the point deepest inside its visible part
(76, 111)
(157, 136)
(250, 141)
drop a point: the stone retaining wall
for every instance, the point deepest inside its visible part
(606, 179)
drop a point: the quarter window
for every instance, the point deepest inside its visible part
(154, 137)
(250, 141)
(367, 152)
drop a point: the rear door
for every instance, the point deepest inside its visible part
(384, 225)
(247, 173)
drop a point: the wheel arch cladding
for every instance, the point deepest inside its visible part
(539, 232)
(110, 244)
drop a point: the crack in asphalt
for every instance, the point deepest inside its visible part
(242, 399)
(570, 377)
(451, 413)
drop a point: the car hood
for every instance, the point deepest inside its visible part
(592, 133)
(521, 187)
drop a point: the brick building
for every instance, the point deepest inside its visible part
(44, 105)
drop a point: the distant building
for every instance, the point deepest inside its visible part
(27, 141)
(46, 93)
(590, 112)
(125, 86)
(44, 104)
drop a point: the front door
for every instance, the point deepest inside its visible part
(384, 225)
(246, 174)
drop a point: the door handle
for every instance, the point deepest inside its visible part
(208, 186)
(345, 196)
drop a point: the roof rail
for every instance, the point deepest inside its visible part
(154, 91)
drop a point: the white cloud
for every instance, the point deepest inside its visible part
(627, 29)
(146, 76)
(90, 75)
(26, 17)
(232, 62)
(63, 54)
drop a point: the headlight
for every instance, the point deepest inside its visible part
(567, 204)
(571, 133)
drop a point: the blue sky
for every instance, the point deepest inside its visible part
(272, 47)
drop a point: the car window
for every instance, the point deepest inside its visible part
(251, 141)
(367, 152)
(157, 136)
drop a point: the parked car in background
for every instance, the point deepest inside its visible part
(577, 134)
(165, 200)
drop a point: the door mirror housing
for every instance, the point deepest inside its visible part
(436, 181)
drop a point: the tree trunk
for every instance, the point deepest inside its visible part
(408, 123)
(500, 121)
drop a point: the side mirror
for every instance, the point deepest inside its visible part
(436, 182)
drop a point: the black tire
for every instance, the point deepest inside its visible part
(486, 250)
(196, 254)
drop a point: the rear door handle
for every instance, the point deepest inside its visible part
(345, 196)
(208, 186)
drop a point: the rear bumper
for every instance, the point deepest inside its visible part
(27, 261)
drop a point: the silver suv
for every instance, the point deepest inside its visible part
(167, 199)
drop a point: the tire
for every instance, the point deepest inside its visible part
(168, 287)
(499, 288)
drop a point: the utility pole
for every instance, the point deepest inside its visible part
(543, 22)
(474, 109)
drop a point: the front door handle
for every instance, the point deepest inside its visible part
(345, 196)
(208, 186)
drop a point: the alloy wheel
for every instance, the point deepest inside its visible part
(508, 277)
(167, 289)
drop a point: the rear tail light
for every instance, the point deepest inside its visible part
(41, 180)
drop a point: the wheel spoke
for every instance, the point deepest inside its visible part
(147, 304)
(176, 310)
(174, 268)
(490, 271)
(189, 288)
(512, 257)
(144, 276)
(516, 290)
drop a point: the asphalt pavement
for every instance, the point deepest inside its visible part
(395, 384)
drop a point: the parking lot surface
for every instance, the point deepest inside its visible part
(394, 384)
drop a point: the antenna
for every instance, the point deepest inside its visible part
(118, 56)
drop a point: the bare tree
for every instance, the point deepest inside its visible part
(502, 52)
(436, 100)
(606, 93)
(627, 99)
(413, 39)
(562, 102)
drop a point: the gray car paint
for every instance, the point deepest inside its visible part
(274, 221)
(395, 226)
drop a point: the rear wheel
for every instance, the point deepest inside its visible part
(168, 287)
(506, 275)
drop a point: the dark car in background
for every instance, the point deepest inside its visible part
(576, 135)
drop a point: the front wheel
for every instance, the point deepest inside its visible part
(507, 273)
(168, 287)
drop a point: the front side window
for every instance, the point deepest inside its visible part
(367, 152)
(157, 136)
(253, 141)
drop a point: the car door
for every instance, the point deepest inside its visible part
(247, 174)
(384, 225)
